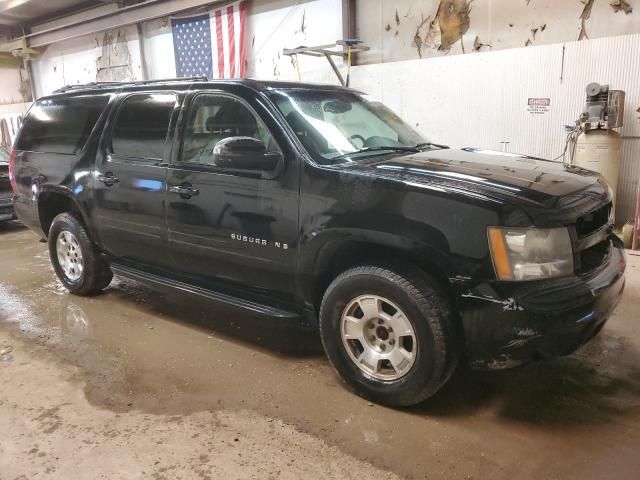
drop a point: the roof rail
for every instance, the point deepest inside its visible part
(99, 85)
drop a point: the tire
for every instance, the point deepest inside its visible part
(88, 273)
(435, 344)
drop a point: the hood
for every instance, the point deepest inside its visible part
(492, 174)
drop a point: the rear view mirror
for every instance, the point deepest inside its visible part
(337, 106)
(244, 153)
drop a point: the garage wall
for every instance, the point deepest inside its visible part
(477, 99)
(277, 24)
(396, 29)
(10, 83)
(271, 26)
(79, 60)
(12, 107)
(481, 100)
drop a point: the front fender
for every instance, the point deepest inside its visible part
(336, 249)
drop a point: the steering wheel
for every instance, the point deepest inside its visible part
(357, 137)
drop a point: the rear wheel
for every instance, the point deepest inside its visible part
(389, 335)
(76, 260)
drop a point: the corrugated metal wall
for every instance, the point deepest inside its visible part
(481, 99)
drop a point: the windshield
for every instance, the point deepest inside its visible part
(342, 126)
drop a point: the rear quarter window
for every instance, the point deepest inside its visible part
(61, 125)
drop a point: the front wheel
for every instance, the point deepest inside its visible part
(75, 258)
(389, 335)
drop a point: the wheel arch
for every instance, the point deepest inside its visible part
(54, 200)
(347, 250)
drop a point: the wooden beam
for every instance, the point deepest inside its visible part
(7, 60)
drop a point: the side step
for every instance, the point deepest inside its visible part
(170, 284)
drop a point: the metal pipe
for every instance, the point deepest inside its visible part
(636, 220)
(143, 58)
(335, 68)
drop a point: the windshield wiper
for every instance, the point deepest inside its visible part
(382, 148)
(431, 144)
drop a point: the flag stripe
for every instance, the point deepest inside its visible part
(225, 42)
(215, 54)
(242, 50)
(232, 41)
(219, 43)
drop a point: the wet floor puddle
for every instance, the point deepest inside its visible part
(144, 350)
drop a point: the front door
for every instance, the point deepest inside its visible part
(130, 179)
(227, 226)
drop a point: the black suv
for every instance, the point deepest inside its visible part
(311, 202)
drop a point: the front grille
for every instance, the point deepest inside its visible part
(589, 223)
(593, 257)
(5, 184)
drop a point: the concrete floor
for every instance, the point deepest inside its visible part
(138, 384)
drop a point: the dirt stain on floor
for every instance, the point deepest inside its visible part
(139, 350)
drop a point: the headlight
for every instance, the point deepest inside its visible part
(530, 253)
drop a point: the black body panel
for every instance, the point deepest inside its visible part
(272, 238)
(6, 194)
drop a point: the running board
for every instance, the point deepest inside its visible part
(174, 285)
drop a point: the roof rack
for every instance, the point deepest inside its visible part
(99, 85)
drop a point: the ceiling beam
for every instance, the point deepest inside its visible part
(142, 12)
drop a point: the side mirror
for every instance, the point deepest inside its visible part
(244, 153)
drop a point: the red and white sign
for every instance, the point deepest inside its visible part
(538, 106)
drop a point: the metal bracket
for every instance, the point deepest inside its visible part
(342, 48)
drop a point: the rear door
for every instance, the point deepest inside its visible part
(226, 226)
(130, 178)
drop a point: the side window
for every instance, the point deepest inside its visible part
(141, 126)
(60, 125)
(215, 117)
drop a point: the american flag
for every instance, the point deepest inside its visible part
(211, 45)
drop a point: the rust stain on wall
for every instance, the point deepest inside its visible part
(418, 42)
(115, 62)
(584, 16)
(621, 6)
(454, 20)
(477, 44)
(451, 22)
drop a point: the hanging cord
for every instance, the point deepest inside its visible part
(571, 140)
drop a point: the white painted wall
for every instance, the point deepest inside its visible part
(499, 23)
(75, 61)
(12, 107)
(158, 48)
(275, 24)
(481, 100)
(10, 86)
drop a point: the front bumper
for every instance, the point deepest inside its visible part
(509, 324)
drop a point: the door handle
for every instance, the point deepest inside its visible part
(184, 190)
(108, 179)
